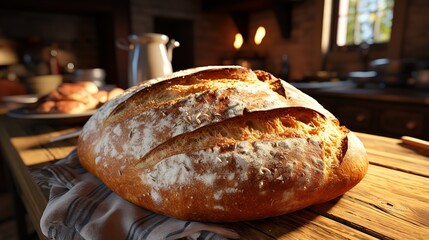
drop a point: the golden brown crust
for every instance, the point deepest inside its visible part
(114, 93)
(89, 87)
(198, 144)
(101, 96)
(46, 106)
(69, 106)
(352, 168)
(70, 91)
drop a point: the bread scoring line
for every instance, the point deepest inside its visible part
(158, 119)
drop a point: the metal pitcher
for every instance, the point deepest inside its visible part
(150, 56)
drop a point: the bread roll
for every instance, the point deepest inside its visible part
(220, 144)
(72, 91)
(75, 98)
(101, 96)
(114, 93)
(70, 106)
(89, 86)
(46, 106)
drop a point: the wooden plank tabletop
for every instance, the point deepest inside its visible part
(391, 202)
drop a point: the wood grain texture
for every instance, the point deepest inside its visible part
(387, 204)
(391, 153)
(306, 224)
(34, 147)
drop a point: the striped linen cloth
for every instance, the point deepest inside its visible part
(80, 206)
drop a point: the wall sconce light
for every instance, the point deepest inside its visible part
(238, 42)
(7, 54)
(259, 35)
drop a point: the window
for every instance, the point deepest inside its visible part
(364, 21)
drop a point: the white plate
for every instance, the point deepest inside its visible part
(21, 113)
(23, 99)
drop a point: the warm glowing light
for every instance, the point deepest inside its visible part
(260, 34)
(238, 41)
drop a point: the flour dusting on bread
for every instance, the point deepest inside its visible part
(220, 143)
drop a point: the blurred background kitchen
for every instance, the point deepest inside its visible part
(365, 60)
(83, 33)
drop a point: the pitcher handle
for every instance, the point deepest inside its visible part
(170, 46)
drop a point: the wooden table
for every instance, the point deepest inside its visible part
(391, 202)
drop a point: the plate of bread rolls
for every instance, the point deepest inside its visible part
(77, 100)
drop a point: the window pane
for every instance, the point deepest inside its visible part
(351, 21)
(364, 21)
(385, 26)
(365, 6)
(389, 4)
(366, 30)
(381, 5)
(352, 6)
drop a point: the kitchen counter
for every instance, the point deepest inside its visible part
(391, 202)
(391, 94)
(389, 111)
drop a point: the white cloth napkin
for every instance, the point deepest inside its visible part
(80, 206)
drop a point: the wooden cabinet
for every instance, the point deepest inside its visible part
(355, 116)
(384, 112)
(402, 122)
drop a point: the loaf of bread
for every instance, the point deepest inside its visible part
(220, 143)
(76, 97)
